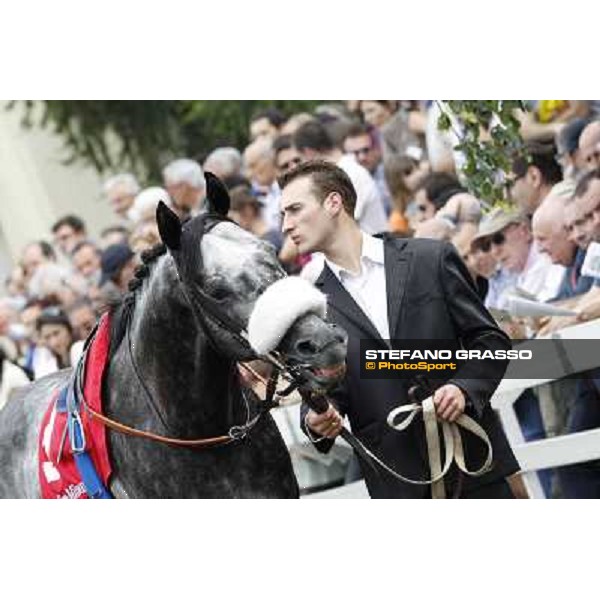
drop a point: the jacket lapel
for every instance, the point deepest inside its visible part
(341, 300)
(397, 264)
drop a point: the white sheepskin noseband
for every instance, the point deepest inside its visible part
(278, 307)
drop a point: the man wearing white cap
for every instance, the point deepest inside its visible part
(511, 243)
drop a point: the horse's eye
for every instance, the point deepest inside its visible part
(219, 292)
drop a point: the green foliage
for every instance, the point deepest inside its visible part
(489, 136)
(142, 135)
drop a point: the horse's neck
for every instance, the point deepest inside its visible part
(190, 385)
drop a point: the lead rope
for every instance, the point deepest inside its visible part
(453, 445)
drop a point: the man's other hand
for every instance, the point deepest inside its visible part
(449, 402)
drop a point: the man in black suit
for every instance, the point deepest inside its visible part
(395, 288)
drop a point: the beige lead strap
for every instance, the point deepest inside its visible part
(434, 453)
(453, 444)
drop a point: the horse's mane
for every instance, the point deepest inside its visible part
(120, 310)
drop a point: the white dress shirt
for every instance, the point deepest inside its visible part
(369, 212)
(368, 288)
(540, 277)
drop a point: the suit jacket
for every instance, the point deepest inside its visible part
(430, 295)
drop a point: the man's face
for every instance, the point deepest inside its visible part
(374, 113)
(481, 260)
(82, 320)
(590, 206)
(262, 127)
(286, 160)
(510, 247)
(574, 217)
(32, 259)
(525, 191)
(365, 152)
(184, 196)
(590, 149)
(556, 244)
(120, 199)
(66, 238)
(261, 169)
(307, 222)
(87, 261)
(29, 316)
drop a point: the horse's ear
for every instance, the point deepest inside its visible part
(169, 226)
(217, 195)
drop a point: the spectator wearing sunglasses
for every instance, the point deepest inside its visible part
(314, 142)
(532, 178)
(485, 264)
(362, 142)
(511, 243)
(507, 235)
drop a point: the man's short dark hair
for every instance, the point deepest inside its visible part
(83, 244)
(440, 187)
(313, 136)
(79, 303)
(235, 180)
(543, 157)
(242, 197)
(115, 229)
(72, 221)
(584, 183)
(273, 115)
(47, 250)
(281, 143)
(325, 178)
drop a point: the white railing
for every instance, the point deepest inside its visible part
(556, 451)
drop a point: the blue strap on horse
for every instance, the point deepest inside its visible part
(85, 465)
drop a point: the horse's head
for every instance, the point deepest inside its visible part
(235, 285)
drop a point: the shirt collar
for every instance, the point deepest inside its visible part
(372, 251)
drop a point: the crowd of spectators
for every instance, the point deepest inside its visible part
(408, 181)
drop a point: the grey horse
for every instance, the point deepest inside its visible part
(173, 371)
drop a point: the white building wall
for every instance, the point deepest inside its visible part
(37, 188)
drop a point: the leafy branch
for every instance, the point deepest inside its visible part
(489, 139)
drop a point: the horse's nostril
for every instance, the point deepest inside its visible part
(307, 347)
